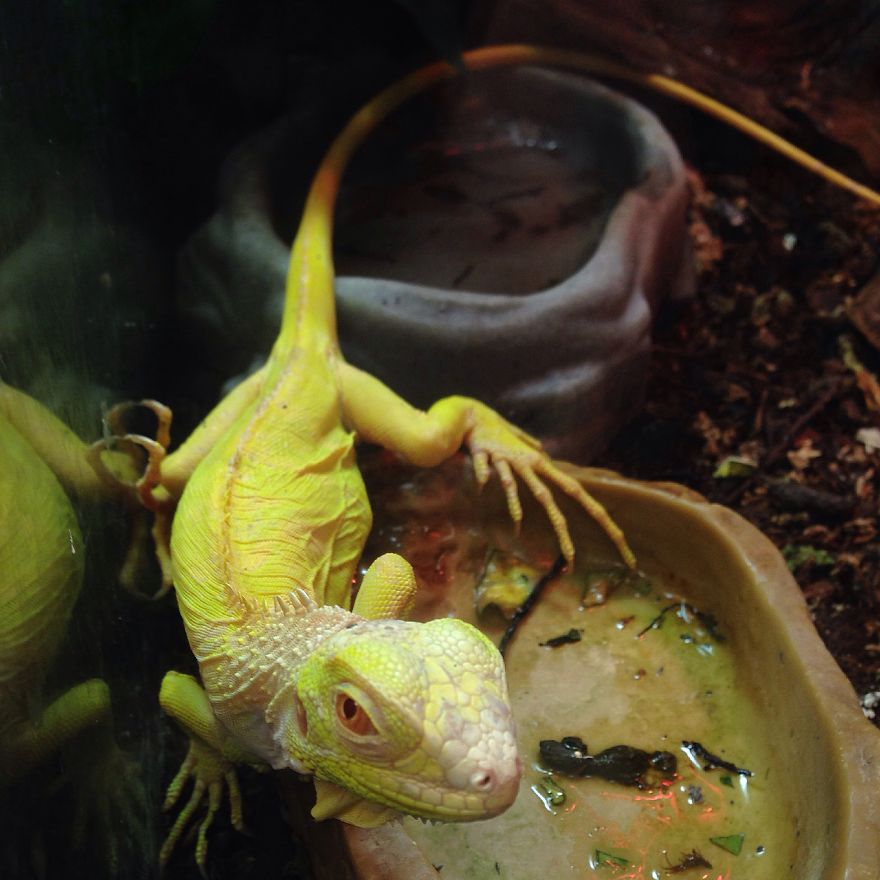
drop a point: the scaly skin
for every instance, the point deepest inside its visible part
(271, 518)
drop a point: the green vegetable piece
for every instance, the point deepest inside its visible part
(604, 858)
(506, 583)
(733, 466)
(555, 793)
(726, 780)
(797, 555)
(733, 843)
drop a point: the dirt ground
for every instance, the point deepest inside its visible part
(763, 393)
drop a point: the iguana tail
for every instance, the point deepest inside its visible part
(309, 312)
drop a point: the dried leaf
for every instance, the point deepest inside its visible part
(869, 437)
(865, 379)
(801, 457)
(736, 392)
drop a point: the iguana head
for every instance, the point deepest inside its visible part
(412, 716)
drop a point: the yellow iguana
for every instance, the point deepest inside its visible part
(270, 516)
(41, 573)
(269, 520)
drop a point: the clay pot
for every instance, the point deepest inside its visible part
(506, 237)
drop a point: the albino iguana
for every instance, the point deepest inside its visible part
(270, 516)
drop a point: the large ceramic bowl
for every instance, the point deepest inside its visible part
(733, 662)
(504, 236)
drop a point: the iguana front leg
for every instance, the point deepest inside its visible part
(428, 438)
(209, 764)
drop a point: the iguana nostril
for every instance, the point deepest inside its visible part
(483, 780)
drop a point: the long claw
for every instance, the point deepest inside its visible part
(152, 475)
(115, 421)
(545, 498)
(175, 787)
(214, 794)
(235, 807)
(149, 479)
(211, 774)
(162, 543)
(595, 509)
(156, 449)
(511, 493)
(181, 822)
(481, 467)
(496, 443)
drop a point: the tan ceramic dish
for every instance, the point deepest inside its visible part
(825, 755)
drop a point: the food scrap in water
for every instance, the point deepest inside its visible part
(549, 791)
(622, 764)
(573, 635)
(505, 582)
(683, 610)
(712, 762)
(601, 584)
(733, 843)
(693, 859)
(604, 859)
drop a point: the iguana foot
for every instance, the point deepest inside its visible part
(210, 773)
(155, 447)
(137, 553)
(495, 443)
(145, 491)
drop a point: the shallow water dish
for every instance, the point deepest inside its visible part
(506, 236)
(731, 661)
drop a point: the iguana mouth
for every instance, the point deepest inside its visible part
(454, 805)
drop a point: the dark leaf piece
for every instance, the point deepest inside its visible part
(573, 635)
(710, 761)
(689, 861)
(527, 606)
(624, 765)
(708, 621)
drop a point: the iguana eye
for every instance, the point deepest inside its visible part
(352, 716)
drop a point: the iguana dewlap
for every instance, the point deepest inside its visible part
(271, 518)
